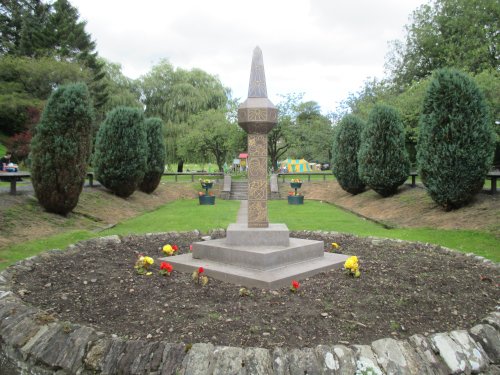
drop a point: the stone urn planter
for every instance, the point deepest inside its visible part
(205, 198)
(296, 198)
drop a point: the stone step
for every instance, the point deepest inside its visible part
(274, 278)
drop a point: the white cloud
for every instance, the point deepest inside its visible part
(325, 48)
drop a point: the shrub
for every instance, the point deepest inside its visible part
(156, 155)
(61, 148)
(382, 158)
(19, 145)
(121, 151)
(345, 154)
(456, 142)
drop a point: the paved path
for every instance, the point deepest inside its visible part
(242, 217)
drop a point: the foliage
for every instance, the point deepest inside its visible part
(313, 134)
(488, 82)
(456, 141)
(346, 145)
(121, 91)
(155, 164)
(382, 158)
(210, 135)
(26, 83)
(52, 30)
(19, 145)
(280, 138)
(61, 148)
(175, 95)
(121, 151)
(459, 33)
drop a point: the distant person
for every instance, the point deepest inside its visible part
(5, 161)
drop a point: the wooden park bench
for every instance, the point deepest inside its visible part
(493, 176)
(13, 177)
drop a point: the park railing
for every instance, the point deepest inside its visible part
(192, 174)
(301, 175)
(14, 177)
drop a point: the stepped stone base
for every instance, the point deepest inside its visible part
(248, 277)
(258, 257)
(275, 235)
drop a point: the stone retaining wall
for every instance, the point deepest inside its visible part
(31, 345)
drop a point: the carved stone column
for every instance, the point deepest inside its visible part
(257, 116)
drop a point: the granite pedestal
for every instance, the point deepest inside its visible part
(258, 257)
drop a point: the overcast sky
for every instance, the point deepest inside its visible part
(324, 48)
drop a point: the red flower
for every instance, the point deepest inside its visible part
(190, 247)
(295, 284)
(200, 270)
(166, 267)
(175, 248)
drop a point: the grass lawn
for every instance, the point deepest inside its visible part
(3, 150)
(186, 215)
(181, 215)
(314, 215)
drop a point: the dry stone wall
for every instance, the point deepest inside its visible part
(29, 344)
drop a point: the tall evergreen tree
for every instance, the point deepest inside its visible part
(456, 143)
(155, 165)
(346, 143)
(36, 29)
(121, 151)
(61, 148)
(382, 158)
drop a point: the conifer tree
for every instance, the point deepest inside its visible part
(456, 142)
(121, 151)
(61, 148)
(347, 140)
(382, 158)
(155, 164)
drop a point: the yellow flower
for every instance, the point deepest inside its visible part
(148, 260)
(335, 245)
(204, 280)
(167, 249)
(149, 273)
(351, 264)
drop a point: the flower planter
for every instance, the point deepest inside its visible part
(295, 185)
(295, 199)
(206, 200)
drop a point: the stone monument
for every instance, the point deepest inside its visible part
(254, 252)
(257, 116)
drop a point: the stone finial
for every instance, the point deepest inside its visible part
(257, 87)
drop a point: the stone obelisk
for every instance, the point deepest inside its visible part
(257, 116)
(258, 253)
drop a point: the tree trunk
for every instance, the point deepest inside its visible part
(180, 165)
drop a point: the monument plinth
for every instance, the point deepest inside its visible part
(254, 252)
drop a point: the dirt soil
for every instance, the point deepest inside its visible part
(404, 289)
